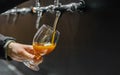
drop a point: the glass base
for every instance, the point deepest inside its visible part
(30, 65)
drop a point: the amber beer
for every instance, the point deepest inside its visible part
(43, 49)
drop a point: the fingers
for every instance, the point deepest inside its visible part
(27, 55)
(29, 49)
(39, 60)
(16, 57)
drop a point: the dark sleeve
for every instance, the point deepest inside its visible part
(3, 40)
(4, 6)
(8, 4)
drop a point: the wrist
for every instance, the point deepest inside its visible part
(7, 48)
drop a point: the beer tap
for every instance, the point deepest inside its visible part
(15, 15)
(56, 4)
(58, 14)
(38, 12)
(56, 8)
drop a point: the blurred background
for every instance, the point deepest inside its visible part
(89, 43)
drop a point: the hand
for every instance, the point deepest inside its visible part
(20, 52)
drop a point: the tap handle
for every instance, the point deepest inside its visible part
(56, 2)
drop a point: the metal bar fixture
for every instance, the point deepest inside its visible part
(55, 8)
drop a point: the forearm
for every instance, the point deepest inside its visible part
(3, 41)
(8, 4)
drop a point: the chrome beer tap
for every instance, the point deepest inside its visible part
(58, 14)
(38, 12)
(56, 8)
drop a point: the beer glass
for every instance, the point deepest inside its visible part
(44, 42)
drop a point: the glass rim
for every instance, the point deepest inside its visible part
(45, 25)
